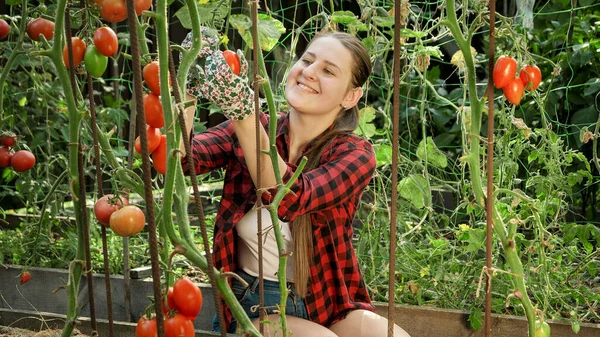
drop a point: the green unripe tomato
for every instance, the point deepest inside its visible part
(95, 63)
(542, 329)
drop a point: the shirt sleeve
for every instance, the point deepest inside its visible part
(344, 176)
(211, 149)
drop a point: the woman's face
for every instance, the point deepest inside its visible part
(320, 82)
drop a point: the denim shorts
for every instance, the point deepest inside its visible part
(248, 298)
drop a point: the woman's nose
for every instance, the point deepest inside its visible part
(309, 72)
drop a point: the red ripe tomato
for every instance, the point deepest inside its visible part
(106, 41)
(141, 5)
(8, 141)
(22, 161)
(78, 52)
(531, 76)
(24, 277)
(170, 302)
(106, 206)
(232, 60)
(504, 71)
(154, 111)
(40, 26)
(127, 221)
(113, 10)
(146, 327)
(153, 140)
(513, 91)
(187, 297)
(4, 29)
(5, 157)
(159, 156)
(152, 77)
(179, 326)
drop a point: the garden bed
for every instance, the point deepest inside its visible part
(36, 306)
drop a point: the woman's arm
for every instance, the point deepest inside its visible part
(246, 135)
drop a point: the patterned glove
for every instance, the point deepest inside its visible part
(222, 87)
(210, 43)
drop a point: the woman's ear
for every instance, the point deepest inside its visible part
(352, 97)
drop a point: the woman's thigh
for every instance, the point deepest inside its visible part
(364, 323)
(299, 327)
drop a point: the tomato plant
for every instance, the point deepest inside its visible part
(106, 41)
(5, 157)
(106, 206)
(152, 77)
(141, 5)
(179, 326)
(24, 277)
(153, 140)
(8, 141)
(4, 29)
(146, 327)
(113, 10)
(187, 297)
(95, 63)
(504, 71)
(232, 60)
(513, 91)
(22, 161)
(531, 76)
(127, 221)
(40, 26)
(542, 329)
(159, 156)
(78, 51)
(154, 111)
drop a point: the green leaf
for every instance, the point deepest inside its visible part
(23, 101)
(343, 17)
(532, 156)
(207, 13)
(432, 154)
(383, 154)
(415, 189)
(269, 29)
(592, 87)
(476, 318)
(366, 127)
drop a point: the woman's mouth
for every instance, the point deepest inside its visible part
(307, 88)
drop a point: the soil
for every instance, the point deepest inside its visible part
(16, 332)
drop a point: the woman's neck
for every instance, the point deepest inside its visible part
(303, 129)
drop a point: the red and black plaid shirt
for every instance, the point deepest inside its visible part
(331, 193)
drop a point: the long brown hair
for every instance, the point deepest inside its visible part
(345, 123)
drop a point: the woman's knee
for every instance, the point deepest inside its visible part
(299, 327)
(359, 323)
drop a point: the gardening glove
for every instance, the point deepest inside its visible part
(210, 43)
(223, 88)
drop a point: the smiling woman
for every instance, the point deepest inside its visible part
(328, 296)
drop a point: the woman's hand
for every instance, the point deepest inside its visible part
(218, 84)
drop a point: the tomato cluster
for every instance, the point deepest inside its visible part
(513, 87)
(20, 161)
(181, 306)
(155, 118)
(123, 219)
(116, 10)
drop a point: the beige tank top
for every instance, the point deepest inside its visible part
(247, 229)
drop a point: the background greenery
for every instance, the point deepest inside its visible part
(545, 147)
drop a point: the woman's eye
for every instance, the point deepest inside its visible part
(328, 72)
(305, 61)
